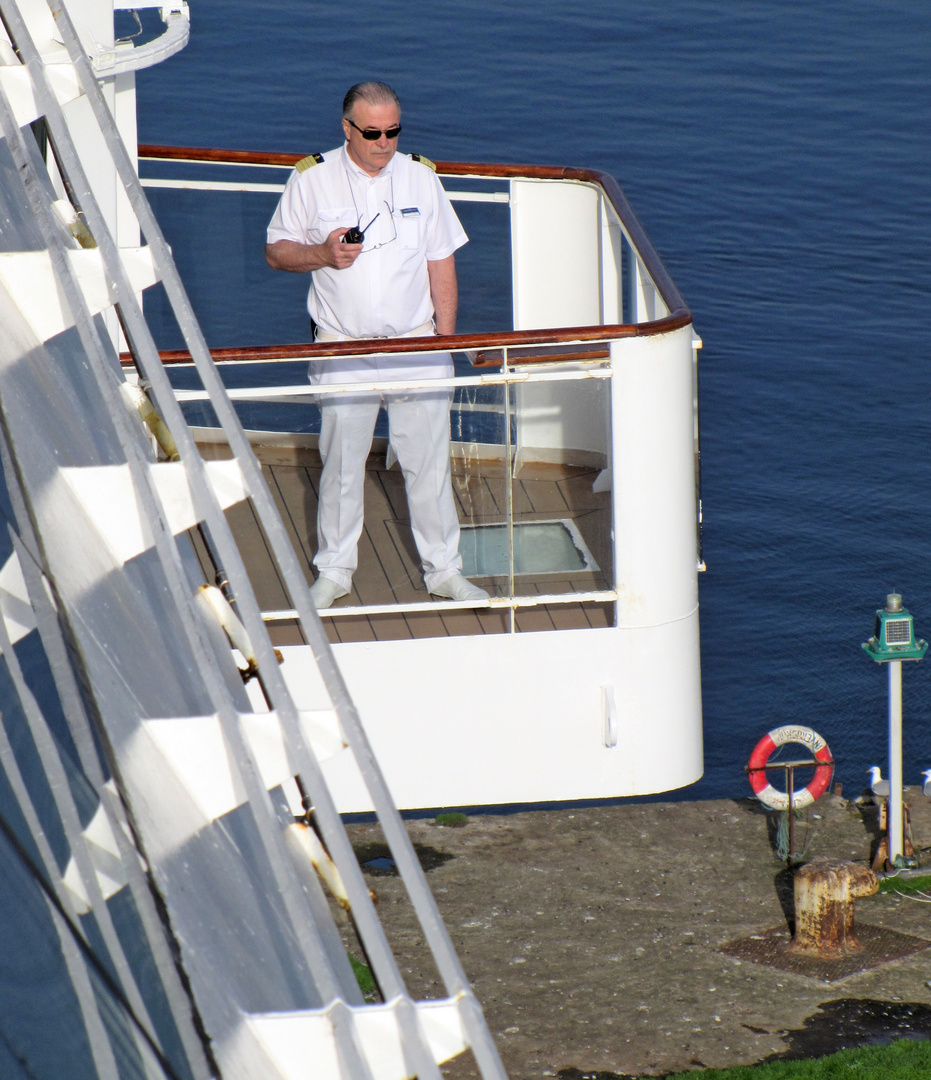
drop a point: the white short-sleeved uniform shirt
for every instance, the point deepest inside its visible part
(408, 221)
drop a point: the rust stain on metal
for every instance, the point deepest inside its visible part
(824, 894)
(825, 945)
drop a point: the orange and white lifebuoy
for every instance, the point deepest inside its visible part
(764, 790)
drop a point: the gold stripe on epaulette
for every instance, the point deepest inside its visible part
(308, 162)
(423, 161)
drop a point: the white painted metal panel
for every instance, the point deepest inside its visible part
(556, 258)
(27, 274)
(654, 479)
(556, 241)
(452, 725)
(612, 296)
(18, 87)
(647, 301)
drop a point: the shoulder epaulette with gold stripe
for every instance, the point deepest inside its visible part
(423, 161)
(308, 162)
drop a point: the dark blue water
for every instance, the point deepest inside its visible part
(779, 157)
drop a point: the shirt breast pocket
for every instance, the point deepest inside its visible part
(338, 217)
(410, 229)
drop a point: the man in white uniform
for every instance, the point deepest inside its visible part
(399, 281)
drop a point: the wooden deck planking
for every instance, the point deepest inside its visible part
(577, 486)
(350, 629)
(426, 624)
(568, 616)
(295, 493)
(390, 627)
(534, 620)
(389, 570)
(576, 616)
(545, 497)
(461, 622)
(374, 582)
(286, 633)
(392, 543)
(260, 564)
(479, 499)
(521, 505)
(493, 622)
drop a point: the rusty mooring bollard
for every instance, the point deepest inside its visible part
(824, 894)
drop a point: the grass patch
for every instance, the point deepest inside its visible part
(906, 886)
(364, 978)
(452, 821)
(905, 1059)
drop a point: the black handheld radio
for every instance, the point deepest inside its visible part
(355, 235)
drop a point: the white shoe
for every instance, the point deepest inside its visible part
(459, 588)
(324, 591)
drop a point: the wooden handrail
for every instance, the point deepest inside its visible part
(679, 314)
(453, 343)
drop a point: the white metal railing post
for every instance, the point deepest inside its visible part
(510, 464)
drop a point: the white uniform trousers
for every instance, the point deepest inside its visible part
(418, 423)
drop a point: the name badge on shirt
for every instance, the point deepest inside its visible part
(410, 211)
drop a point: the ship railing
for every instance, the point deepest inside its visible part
(573, 315)
(127, 54)
(607, 270)
(529, 556)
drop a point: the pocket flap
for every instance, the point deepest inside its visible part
(338, 214)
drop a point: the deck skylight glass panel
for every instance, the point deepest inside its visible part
(540, 547)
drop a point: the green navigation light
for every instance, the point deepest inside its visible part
(894, 635)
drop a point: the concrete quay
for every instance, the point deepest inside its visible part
(647, 938)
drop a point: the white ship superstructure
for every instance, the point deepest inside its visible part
(181, 730)
(575, 467)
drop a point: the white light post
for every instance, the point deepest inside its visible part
(896, 830)
(892, 642)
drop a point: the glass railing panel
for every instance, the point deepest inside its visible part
(268, 397)
(218, 242)
(528, 495)
(543, 526)
(506, 411)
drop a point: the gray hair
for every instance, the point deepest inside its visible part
(374, 93)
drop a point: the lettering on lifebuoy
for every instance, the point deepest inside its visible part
(764, 790)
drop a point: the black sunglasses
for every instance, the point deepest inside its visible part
(371, 134)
